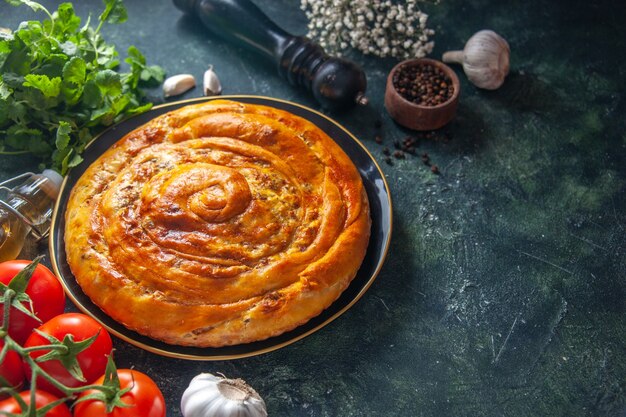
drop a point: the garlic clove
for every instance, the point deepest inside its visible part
(178, 84)
(485, 59)
(212, 85)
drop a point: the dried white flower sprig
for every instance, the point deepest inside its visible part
(379, 27)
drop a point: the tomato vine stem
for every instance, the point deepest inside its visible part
(7, 298)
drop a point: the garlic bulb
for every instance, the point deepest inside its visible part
(212, 85)
(213, 396)
(178, 84)
(485, 59)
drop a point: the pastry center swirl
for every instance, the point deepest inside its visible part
(209, 192)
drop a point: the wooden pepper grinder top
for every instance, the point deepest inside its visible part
(335, 83)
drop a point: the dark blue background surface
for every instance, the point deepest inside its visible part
(503, 291)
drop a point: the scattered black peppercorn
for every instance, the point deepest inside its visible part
(409, 141)
(409, 145)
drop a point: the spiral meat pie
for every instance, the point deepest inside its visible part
(217, 224)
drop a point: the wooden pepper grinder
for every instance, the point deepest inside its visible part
(335, 83)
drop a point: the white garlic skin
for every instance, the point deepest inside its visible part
(208, 396)
(485, 59)
(211, 84)
(178, 84)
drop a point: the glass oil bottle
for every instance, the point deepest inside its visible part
(27, 206)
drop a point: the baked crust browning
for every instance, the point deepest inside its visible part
(218, 224)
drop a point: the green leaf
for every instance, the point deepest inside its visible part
(70, 161)
(49, 87)
(86, 27)
(139, 71)
(152, 73)
(18, 62)
(96, 51)
(107, 56)
(103, 116)
(12, 80)
(17, 113)
(139, 109)
(114, 12)
(4, 110)
(38, 146)
(69, 48)
(18, 136)
(53, 65)
(109, 82)
(65, 20)
(33, 35)
(5, 91)
(119, 104)
(58, 156)
(135, 56)
(74, 74)
(86, 45)
(75, 161)
(5, 50)
(84, 137)
(63, 135)
(92, 96)
(22, 138)
(37, 105)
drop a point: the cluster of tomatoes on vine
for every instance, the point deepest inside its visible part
(57, 364)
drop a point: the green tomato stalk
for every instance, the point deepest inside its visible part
(66, 351)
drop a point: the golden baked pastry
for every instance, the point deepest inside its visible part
(217, 224)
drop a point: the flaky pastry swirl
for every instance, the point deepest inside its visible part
(217, 224)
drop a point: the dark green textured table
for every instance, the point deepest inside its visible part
(503, 293)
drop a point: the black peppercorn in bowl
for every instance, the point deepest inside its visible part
(422, 94)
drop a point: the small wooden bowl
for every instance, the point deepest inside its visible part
(417, 116)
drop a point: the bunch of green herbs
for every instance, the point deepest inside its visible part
(59, 84)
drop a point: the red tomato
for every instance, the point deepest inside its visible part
(42, 398)
(11, 369)
(44, 290)
(92, 360)
(145, 398)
